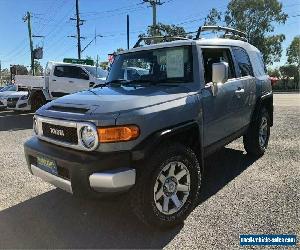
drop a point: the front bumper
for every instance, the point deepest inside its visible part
(20, 105)
(82, 173)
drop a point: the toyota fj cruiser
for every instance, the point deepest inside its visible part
(149, 133)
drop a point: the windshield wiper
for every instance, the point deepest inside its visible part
(107, 83)
(140, 81)
(125, 82)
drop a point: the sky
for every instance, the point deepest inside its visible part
(51, 19)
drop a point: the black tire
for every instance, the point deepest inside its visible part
(37, 101)
(252, 138)
(143, 195)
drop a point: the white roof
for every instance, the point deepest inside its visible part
(71, 64)
(201, 42)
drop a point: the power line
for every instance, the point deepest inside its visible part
(52, 13)
(119, 13)
(128, 7)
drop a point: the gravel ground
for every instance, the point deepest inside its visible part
(239, 196)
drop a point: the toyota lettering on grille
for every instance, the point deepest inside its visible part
(57, 132)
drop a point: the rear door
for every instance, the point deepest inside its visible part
(246, 77)
(221, 112)
(67, 79)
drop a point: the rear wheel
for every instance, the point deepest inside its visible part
(257, 138)
(167, 187)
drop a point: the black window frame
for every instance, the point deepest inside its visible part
(231, 63)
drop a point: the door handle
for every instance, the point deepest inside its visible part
(53, 80)
(240, 91)
(70, 81)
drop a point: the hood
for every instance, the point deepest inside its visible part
(6, 94)
(120, 99)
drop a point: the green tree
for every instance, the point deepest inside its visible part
(293, 52)
(274, 72)
(38, 68)
(163, 30)
(257, 18)
(5, 75)
(290, 71)
(21, 70)
(104, 65)
(213, 18)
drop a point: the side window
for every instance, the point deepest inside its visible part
(215, 55)
(261, 62)
(77, 72)
(60, 71)
(70, 72)
(243, 62)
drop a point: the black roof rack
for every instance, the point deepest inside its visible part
(161, 38)
(229, 32)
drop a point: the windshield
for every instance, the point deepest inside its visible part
(164, 65)
(9, 88)
(96, 71)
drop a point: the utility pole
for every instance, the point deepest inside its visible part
(127, 31)
(153, 4)
(78, 23)
(0, 74)
(78, 29)
(27, 18)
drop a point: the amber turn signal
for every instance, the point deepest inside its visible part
(118, 133)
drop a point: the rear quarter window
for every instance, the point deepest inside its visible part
(243, 61)
(261, 67)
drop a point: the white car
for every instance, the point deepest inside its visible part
(5, 93)
(18, 101)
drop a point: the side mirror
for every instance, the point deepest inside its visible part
(219, 75)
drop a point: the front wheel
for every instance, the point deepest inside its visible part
(257, 138)
(167, 187)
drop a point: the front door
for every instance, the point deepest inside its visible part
(67, 79)
(221, 112)
(246, 76)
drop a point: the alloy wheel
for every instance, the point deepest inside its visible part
(172, 188)
(263, 132)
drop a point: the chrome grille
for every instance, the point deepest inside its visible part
(60, 133)
(64, 133)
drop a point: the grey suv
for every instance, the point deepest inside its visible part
(149, 135)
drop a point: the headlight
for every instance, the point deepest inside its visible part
(88, 137)
(35, 126)
(24, 97)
